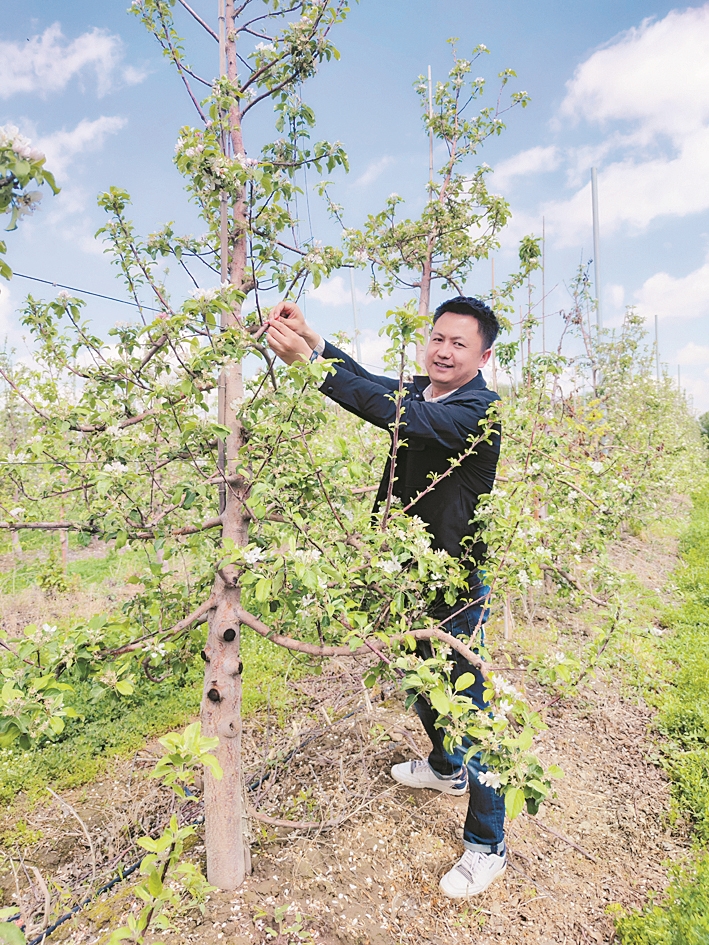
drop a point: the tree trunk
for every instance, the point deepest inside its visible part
(425, 303)
(226, 839)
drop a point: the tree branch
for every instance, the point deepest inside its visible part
(196, 616)
(199, 19)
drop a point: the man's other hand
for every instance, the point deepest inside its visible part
(288, 344)
(289, 311)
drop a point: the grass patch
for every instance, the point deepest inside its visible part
(682, 917)
(116, 727)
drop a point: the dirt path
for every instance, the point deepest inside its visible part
(373, 880)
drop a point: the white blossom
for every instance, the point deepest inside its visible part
(560, 657)
(18, 512)
(204, 295)
(503, 687)
(490, 779)
(63, 295)
(523, 577)
(596, 467)
(253, 555)
(48, 630)
(505, 706)
(391, 566)
(656, 631)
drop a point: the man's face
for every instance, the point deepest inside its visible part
(454, 352)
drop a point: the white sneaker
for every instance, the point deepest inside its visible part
(419, 774)
(472, 874)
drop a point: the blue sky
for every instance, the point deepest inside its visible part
(624, 87)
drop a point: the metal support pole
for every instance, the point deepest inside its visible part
(224, 267)
(494, 356)
(596, 258)
(544, 292)
(358, 349)
(430, 130)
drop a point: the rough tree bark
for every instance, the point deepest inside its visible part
(226, 839)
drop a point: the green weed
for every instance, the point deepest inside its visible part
(682, 917)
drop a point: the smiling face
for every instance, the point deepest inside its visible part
(455, 352)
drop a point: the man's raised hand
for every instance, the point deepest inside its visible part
(289, 312)
(288, 344)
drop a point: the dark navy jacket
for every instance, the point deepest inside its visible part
(433, 434)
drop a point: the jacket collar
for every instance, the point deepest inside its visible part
(421, 382)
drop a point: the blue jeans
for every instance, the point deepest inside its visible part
(485, 821)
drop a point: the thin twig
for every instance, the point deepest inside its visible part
(45, 892)
(84, 828)
(560, 836)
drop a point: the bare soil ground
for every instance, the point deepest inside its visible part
(372, 878)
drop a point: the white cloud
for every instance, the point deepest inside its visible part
(693, 354)
(47, 63)
(532, 161)
(656, 74)
(61, 146)
(7, 310)
(373, 347)
(615, 295)
(373, 171)
(648, 90)
(335, 292)
(675, 297)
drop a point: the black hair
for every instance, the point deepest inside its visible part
(465, 305)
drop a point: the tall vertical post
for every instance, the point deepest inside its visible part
(425, 293)
(430, 129)
(544, 291)
(492, 299)
(358, 348)
(224, 263)
(596, 250)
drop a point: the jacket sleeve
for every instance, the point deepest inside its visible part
(446, 424)
(353, 367)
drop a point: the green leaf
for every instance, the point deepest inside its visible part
(263, 590)
(440, 701)
(154, 883)
(464, 681)
(124, 687)
(514, 802)
(56, 723)
(554, 771)
(11, 934)
(147, 843)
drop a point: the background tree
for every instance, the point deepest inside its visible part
(461, 221)
(21, 165)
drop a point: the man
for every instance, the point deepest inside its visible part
(441, 413)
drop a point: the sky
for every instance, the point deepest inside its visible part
(622, 87)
